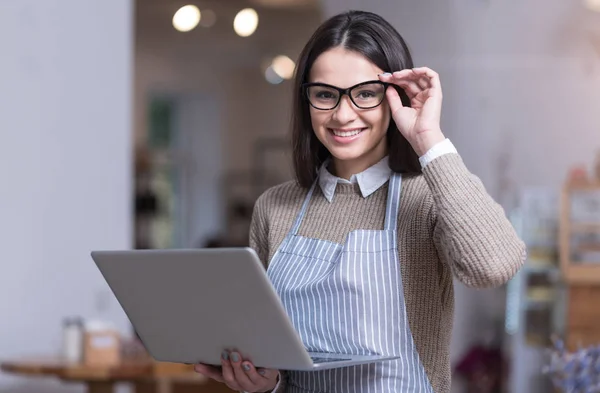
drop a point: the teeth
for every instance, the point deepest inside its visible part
(346, 133)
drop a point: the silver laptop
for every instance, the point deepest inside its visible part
(188, 306)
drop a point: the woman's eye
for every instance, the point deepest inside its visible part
(324, 95)
(365, 94)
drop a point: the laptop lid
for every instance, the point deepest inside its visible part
(187, 306)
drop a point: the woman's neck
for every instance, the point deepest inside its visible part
(346, 168)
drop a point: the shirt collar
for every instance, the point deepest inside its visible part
(369, 181)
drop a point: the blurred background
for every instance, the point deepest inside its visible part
(157, 123)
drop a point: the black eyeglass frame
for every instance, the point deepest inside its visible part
(342, 92)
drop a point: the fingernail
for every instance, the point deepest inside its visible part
(262, 372)
(225, 355)
(235, 357)
(386, 74)
(246, 367)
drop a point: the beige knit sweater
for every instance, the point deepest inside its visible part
(448, 226)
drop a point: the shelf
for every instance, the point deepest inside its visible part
(538, 269)
(580, 227)
(582, 274)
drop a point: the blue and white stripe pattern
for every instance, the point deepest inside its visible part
(349, 299)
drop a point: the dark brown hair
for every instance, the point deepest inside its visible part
(371, 36)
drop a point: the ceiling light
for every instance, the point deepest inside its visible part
(245, 22)
(186, 18)
(593, 5)
(284, 66)
(272, 77)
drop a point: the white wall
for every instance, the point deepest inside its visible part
(521, 84)
(65, 78)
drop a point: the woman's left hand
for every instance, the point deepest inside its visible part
(419, 123)
(239, 374)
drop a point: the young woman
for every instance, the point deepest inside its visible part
(363, 246)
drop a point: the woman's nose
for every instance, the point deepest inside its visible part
(344, 112)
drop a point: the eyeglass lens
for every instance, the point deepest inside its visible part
(364, 96)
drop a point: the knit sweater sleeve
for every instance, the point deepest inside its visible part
(259, 231)
(259, 242)
(471, 231)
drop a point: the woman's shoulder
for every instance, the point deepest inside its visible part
(417, 185)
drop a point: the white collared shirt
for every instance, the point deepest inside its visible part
(371, 179)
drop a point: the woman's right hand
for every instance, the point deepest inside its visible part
(239, 374)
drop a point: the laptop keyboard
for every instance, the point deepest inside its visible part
(325, 360)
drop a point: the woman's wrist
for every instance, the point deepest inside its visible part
(439, 149)
(426, 140)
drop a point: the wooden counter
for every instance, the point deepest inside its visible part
(146, 376)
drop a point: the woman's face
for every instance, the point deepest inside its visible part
(355, 137)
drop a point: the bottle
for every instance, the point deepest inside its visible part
(73, 334)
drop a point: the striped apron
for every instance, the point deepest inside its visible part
(349, 299)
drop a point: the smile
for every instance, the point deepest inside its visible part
(347, 132)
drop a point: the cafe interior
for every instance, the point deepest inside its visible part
(156, 124)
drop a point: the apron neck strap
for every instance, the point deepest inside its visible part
(300, 215)
(393, 202)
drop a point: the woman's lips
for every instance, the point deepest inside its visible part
(346, 135)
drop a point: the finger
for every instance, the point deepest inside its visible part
(253, 375)
(403, 74)
(421, 76)
(403, 80)
(410, 87)
(268, 373)
(240, 374)
(397, 76)
(435, 89)
(390, 77)
(423, 83)
(434, 78)
(228, 373)
(408, 81)
(393, 99)
(209, 371)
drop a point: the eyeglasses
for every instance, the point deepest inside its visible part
(365, 95)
